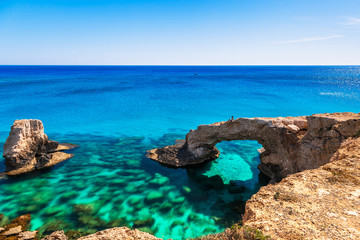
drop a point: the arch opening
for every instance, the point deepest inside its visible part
(233, 177)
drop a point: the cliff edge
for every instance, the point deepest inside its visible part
(322, 203)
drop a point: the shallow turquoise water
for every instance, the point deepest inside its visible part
(115, 114)
(112, 176)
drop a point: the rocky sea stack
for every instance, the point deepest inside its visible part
(28, 148)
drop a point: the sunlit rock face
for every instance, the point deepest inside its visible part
(291, 144)
(120, 233)
(28, 148)
(320, 203)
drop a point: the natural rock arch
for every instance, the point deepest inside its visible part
(291, 144)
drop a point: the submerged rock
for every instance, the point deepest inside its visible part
(186, 189)
(165, 207)
(68, 195)
(154, 196)
(291, 144)
(159, 180)
(177, 200)
(92, 222)
(73, 235)
(52, 226)
(214, 182)
(236, 186)
(28, 148)
(83, 209)
(4, 220)
(147, 230)
(144, 223)
(120, 222)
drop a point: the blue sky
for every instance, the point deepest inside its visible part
(180, 32)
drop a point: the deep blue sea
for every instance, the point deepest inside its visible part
(116, 113)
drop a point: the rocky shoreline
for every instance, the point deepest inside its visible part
(322, 203)
(18, 229)
(291, 144)
(314, 163)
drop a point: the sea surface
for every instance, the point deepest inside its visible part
(116, 113)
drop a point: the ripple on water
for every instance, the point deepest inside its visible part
(109, 183)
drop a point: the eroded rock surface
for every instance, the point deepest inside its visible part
(322, 203)
(17, 229)
(28, 148)
(291, 144)
(58, 235)
(120, 233)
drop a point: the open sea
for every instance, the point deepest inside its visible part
(116, 113)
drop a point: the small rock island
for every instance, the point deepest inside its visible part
(28, 148)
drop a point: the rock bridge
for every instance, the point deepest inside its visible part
(291, 144)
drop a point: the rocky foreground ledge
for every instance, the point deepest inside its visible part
(18, 229)
(291, 144)
(28, 148)
(322, 203)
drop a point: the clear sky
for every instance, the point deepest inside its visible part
(180, 32)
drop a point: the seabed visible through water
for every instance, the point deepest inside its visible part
(109, 183)
(116, 113)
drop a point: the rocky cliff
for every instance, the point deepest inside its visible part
(291, 144)
(28, 148)
(323, 203)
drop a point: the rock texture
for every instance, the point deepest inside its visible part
(120, 233)
(28, 148)
(58, 235)
(323, 203)
(291, 144)
(17, 229)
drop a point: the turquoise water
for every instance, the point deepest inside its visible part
(115, 114)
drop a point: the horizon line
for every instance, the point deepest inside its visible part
(174, 65)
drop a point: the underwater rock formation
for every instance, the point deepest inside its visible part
(291, 144)
(28, 148)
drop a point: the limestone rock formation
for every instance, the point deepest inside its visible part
(28, 148)
(291, 144)
(120, 233)
(18, 229)
(322, 203)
